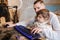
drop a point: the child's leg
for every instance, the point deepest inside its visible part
(22, 38)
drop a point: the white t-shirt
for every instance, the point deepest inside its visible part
(54, 21)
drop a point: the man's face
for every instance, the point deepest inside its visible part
(38, 6)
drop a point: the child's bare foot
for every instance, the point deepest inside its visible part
(22, 38)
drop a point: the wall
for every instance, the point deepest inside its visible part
(52, 1)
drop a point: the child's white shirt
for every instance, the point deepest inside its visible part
(47, 31)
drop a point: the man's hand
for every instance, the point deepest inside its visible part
(36, 30)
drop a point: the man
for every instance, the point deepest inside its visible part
(38, 5)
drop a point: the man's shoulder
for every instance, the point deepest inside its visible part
(52, 14)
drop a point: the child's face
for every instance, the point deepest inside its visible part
(40, 18)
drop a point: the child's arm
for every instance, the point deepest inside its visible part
(50, 34)
(11, 25)
(19, 23)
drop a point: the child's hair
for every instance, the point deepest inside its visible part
(44, 13)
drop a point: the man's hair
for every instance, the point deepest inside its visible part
(44, 13)
(41, 1)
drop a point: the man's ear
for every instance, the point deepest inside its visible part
(43, 4)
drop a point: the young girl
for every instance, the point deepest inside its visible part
(42, 21)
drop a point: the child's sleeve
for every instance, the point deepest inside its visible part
(50, 34)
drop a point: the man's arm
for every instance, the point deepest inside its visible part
(55, 22)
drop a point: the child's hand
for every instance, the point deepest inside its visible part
(36, 30)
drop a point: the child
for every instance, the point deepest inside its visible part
(42, 21)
